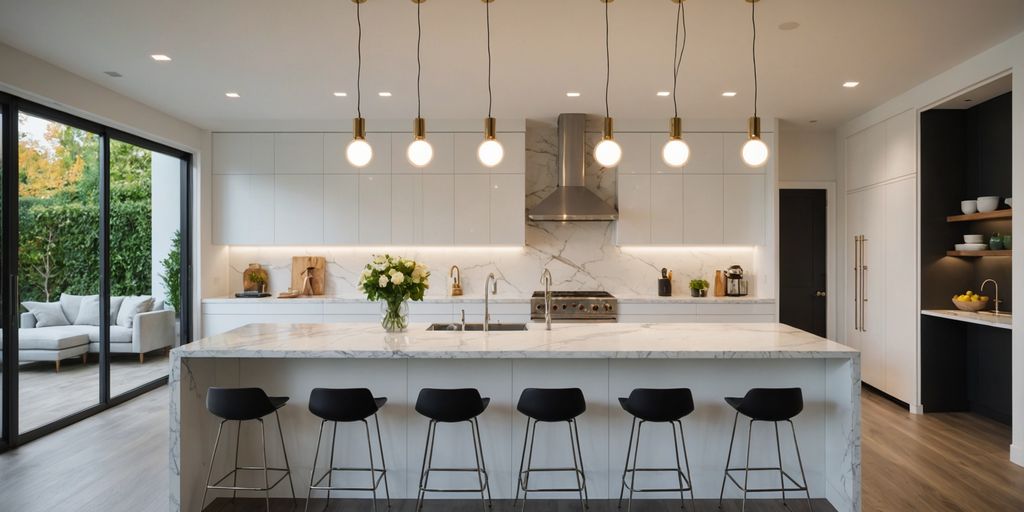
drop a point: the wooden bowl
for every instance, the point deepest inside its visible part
(970, 306)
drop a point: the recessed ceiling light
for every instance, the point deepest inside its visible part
(114, 74)
(850, 85)
(789, 25)
(160, 57)
(341, 94)
(573, 94)
(664, 93)
(728, 94)
(384, 94)
(232, 95)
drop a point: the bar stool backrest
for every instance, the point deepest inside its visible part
(545, 404)
(343, 405)
(661, 404)
(450, 405)
(238, 404)
(772, 404)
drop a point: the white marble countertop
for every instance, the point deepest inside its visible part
(580, 341)
(1003, 321)
(679, 299)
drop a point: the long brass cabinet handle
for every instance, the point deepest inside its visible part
(863, 284)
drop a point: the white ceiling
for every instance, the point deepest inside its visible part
(286, 58)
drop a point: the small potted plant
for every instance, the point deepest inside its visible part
(698, 288)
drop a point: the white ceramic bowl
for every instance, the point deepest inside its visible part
(988, 203)
(968, 207)
(974, 239)
(970, 247)
(1009, 202)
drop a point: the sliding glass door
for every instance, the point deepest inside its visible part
(95, 267)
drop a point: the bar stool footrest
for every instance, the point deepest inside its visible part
(798, 488)
(216, 485)
(483, 474)
(378, 476)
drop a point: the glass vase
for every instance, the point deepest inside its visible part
(394, 316)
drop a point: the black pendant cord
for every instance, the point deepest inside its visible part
(419, 65)
(753, 52)
(607, 60)
(359, 63)
(677, 59)
(490, 94)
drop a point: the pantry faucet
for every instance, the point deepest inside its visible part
(996, 301)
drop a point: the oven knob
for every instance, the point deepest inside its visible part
(582, 307)
(540, 307)
(595, 308)
(607, 307)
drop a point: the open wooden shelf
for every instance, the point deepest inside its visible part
(975, 254)
(997, 214)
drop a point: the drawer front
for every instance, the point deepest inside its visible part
(735, 309)
(263, 308)
(657, 308)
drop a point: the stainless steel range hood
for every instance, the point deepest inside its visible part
(572, 201)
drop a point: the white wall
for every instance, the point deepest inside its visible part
(37, 80)
(998, 60)
(806, 155)
(166, 215)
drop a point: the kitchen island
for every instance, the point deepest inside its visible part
(605, 360)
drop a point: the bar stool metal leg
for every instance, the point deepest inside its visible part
(266, 471)
(284, 450)
(234, 479)
(686, 460)
(625, 468)
(483, 463)
(582, 471)
(778, 450)
(575, 465)
(746, 468)
(632, 480)
(213, 457)
(800, 461)
(312, 472)
(330, 470)
(728, 459)
(383, 462)
(522, 459)
(524, 476)
(428, 456)
(373, 470)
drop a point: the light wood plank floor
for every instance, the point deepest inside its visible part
(117, 461)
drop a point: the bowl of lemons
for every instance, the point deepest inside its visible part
(970, 301)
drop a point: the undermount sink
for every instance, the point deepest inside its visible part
(477, 327)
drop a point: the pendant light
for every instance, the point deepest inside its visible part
(676, 151)
(755, 151)
(359, 152)
(490, 153)
(420, 152)
(608, 153)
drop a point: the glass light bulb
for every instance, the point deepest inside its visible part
(755, 152)
(420, 153)
(675, 153)
(359, 153)
(608, 153)
(490, 152)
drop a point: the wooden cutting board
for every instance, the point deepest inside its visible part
(318, 269)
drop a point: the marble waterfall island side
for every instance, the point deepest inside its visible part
(605, 360)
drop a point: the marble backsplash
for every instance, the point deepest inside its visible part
(580, 255)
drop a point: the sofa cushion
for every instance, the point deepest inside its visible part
(48, 314)
(118, 334)
(52, 338)
(89, 310)
(132, 306)
(70, 304)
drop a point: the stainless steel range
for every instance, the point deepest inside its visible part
(576, 306)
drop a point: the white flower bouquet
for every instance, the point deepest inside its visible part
(393, 281)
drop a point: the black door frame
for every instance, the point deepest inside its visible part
(9, 317)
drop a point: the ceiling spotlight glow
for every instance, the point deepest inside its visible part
(573, 94)
(729, 94)
(850, 85)
(232, 95)
(340, 94)
(664, 94)
(384, 94)
(159, 57)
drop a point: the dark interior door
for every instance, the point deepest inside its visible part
(802, 249)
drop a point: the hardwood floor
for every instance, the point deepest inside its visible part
(46, 395)
(117, 461)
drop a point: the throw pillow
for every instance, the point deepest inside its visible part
(70, 304)
(132, 306)
(48, 314)
(89, 310)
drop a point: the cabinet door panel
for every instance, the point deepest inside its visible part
(901, 312)
(634, 224)
(374, 210)
(298, 209)
(243, 209)
(472, 209)
(866, 157)
(744, 209)
(243, 153)
(508, 209)
(874, 290)
(667, 209)
(298, 153)
(341, 209)
(406, 205)
(706, 156)
(466, 161)
(703, 209)
(438, 209)
(901, 144)
(636, 153)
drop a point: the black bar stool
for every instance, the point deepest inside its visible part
(246, 404)
(658, 406)
(552, 406)
(347, 406)
(452, 406)
(769, 405)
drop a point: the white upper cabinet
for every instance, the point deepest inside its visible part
(243, 209)
(243, 153)
(298, 153)
(667, 209)
(634, 224)
(732, 153)
(866, 157)
(406, 206)
(442, 163)
(706, 155)
(744, 209)
(901, 145)
(703, 209)
(472, 209)
(636, 153)
(341, 209)
(335, 162)
(374, 210)
(508, 209)
(466, 161)
(438, 209)
(298, 209)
